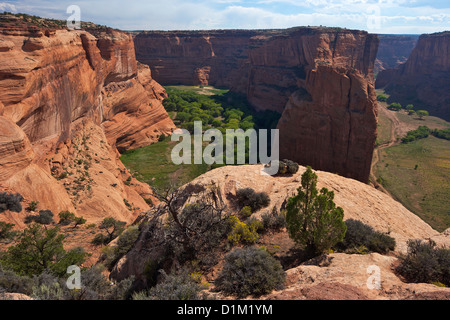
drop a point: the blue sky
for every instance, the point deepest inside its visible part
(375, 16)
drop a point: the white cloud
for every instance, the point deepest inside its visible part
(7, 7)
(394, 15)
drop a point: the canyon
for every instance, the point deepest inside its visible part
(69, 101)
(423, 80)
(394, 50)
(319, 79)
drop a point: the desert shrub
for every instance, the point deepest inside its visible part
(32, 206)
(78, 221)
(250, 271)
(124, 243)
(255, 224)
(151, 272)
(99, 239)
(66, 217)
(44, 217)
(11, 282)
(112, 227)
(287, 167)
(241, 232)
(425, 262)
(9, 201)
(360, 235)
(273, 220)
(48, 287)
(254, 200)
(176, 286)
(246, 211)
(121, 290)
(197, 232)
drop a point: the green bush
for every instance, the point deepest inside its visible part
(382, 98)
(99, 239)
(395, 106)
(5, 230)
(255, 200)
(441, 134)
(11, 282)
(360, 235)
(422, 113)
(46, 249)
(420, 133)
(425, 263)
(32, 206)
(246, 211)
(250, 271)
(241, 232)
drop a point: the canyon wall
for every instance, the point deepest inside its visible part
(319, 79)
(69, 100)
(424, 79)
(394, 50)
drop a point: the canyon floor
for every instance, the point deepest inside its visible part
(423, 190)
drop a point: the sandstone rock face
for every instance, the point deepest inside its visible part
(394, 50)
(339, 276)
(68, 101)
(342, 276)
(425, 78)
(319, 79)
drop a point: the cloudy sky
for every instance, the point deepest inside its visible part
(376, 16)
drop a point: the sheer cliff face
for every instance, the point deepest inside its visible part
(394, 50)
(425, 78)
(320, 80)
(70, 97)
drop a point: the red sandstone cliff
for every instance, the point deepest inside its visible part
(394, 50)
(320, 79)
(68, 101)
(424, 80)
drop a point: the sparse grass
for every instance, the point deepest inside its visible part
(206, 90)
(429, 121)
(384, 129)
(417, 175)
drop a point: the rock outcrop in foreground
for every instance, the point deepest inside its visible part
(339, 275)
(424, 80)
(69, 100)
(319, 79)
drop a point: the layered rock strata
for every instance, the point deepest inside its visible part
(424, 79)
(69, 100)
(319, 79)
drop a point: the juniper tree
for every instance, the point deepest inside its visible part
(312, 218)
